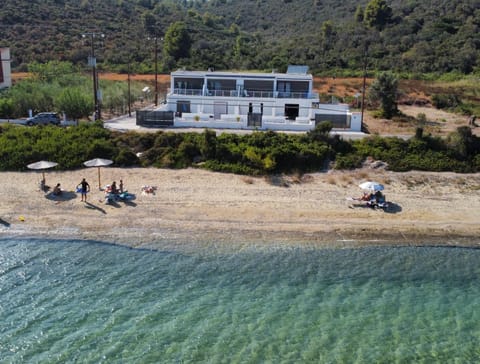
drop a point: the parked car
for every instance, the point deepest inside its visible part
(44, 118)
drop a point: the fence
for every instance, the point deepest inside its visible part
(154, 118)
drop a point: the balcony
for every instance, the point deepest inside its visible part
(245, 93)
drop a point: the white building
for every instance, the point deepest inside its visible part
(243, 100)
(5, 72)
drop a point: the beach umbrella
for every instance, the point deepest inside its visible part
(371, 186)
(41, 165)
(98, 162)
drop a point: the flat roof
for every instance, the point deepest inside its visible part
(243, 74)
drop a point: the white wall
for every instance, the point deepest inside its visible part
(356, 121)
(273, 119)
(5, 60)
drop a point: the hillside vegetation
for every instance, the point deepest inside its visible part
(332, 37)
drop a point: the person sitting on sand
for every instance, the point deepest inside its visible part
(148, 190)
(379, 197)
(366, 197)
(113, 188)
(57, 191)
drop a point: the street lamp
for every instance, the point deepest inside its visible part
(93, 63)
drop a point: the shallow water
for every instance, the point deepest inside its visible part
(77, 301)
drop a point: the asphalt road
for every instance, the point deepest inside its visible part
(129, 123)
(13, 121)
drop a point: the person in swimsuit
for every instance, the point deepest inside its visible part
(84, 188)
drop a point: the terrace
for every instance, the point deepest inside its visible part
(230, 87)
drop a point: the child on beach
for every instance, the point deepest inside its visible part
(57, 191)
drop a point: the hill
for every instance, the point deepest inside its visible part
(329, 36)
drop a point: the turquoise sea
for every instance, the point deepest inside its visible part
(88, 302)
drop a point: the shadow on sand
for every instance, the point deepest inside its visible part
(64, 196)
(91, 206)
(129, 203)
(115, 202)
(4, 223)
(392, 208)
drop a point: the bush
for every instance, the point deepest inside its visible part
(126, 158)
(349, 161)
(445, 101)
(6, 108)
(255, 154)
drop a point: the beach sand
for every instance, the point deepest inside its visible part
(193, 206)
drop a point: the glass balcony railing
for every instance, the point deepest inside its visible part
(245, 93)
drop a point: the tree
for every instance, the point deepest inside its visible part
(177, 41)
(321, 131)
(52, 71)
(359, 13)
(384, 89)
(463, 142)
(327, 29)
(6, 108)
(150, 23)
(74, 103)
(377, 14)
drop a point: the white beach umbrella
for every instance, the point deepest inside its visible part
(98, 162)
(371, 186)
(41, 165)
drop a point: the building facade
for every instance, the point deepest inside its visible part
(5, 71)
(246, 100)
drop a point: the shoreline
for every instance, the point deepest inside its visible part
(202, 208)
(182, 241)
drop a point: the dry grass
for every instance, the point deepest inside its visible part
(278, 181)
(345, 180)
(248, 180)
(386, 180)
(299, 178)
(296, 178)
(332, 180)
(414, 182)
(307, 178)
(361, 175)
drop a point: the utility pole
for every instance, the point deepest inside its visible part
(364, 85)
(93, 63)
(129, 96)
(155, 60)
(156, 71)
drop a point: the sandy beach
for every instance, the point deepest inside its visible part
(196, 206)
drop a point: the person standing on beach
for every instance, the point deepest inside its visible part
(84, 188)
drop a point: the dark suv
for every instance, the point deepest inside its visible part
(44, 118)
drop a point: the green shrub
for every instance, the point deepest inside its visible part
(256, 154)
(126, 158)
(445, 101)
(348, 161)
(6, 108)
(236, 168)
